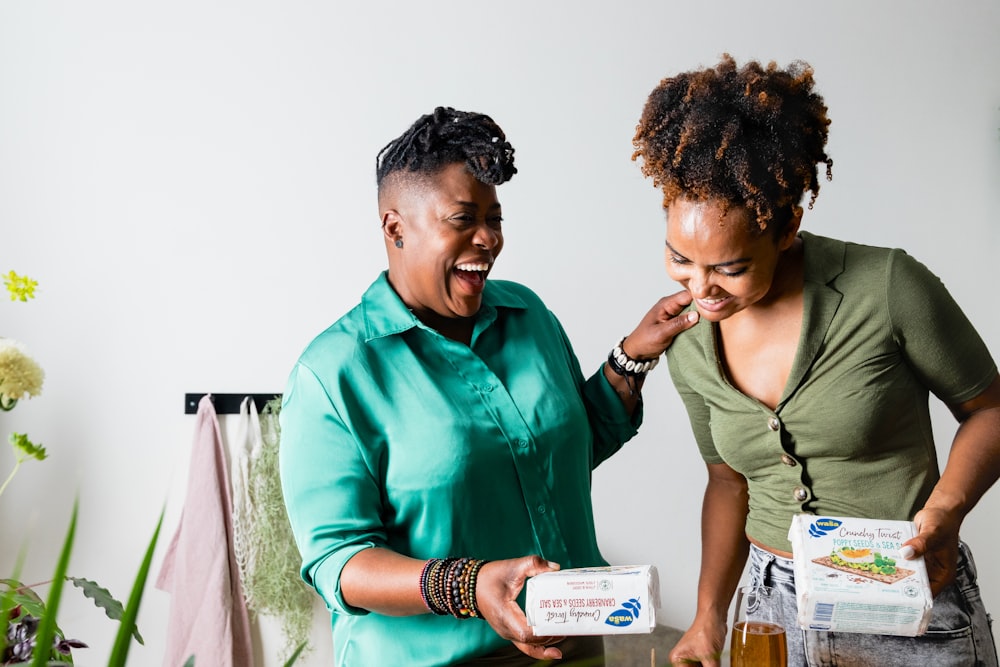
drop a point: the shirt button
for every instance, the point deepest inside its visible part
(487, 388)
(522, 443)
(800, 493)
(773, 423)
(788, 461)
(541, 509)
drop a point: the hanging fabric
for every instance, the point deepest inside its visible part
(208, 616)
(274, 585)
(244, 450)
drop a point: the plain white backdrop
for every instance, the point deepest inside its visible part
(192, 185)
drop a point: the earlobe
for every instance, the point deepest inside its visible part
(392, 225)
(792, 229)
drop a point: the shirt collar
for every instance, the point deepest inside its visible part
(385, 314)
(824, 257)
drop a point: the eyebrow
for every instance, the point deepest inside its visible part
(470, 204)
(741, 260)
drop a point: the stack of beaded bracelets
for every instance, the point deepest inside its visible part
(448, 586)
(622, 364)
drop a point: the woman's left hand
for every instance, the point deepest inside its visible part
(937, 542)
(498, 586)
(659, 326)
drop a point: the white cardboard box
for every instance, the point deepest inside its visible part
(849, 576)
(612, 600)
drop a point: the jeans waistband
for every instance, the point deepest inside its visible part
(766, 566)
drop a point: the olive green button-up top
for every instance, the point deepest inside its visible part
(851, 435)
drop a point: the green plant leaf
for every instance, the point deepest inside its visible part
(21, 443)
(27, 598)
(47, 623)
(295, 656)
(119, 652)
(102, 598)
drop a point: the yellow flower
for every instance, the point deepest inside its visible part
(20, 376)
(20, 287)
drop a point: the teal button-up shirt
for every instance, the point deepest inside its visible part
(395, 436)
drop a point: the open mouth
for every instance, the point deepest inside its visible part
(473, 274)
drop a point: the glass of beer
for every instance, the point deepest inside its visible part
(758, 638)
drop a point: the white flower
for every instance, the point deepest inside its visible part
(20, 376)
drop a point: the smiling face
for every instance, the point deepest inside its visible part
(724, 266)
(449, 224)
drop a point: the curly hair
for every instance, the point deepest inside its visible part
(747, 136)
(447, 136)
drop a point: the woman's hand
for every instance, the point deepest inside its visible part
(937, 542)
(701, 644)
(497, 587)
(659, 326)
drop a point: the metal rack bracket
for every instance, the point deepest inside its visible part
(226, 404)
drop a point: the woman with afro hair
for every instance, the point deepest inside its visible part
(807, 379)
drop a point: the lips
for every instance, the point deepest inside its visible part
(473, 274)
(713, 305)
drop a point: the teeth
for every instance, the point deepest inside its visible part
(473, 267)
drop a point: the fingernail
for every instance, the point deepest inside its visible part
(907, 552)
(553, 566)
(692, 316)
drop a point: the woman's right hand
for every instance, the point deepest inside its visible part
(497, 587)
(702, 644)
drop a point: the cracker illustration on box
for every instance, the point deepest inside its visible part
(865, 563)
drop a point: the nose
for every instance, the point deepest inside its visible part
(486, 237)
(699, 284)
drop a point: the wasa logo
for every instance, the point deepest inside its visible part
(624, 616)
(821, 527)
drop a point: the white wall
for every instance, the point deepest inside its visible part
(192, 185)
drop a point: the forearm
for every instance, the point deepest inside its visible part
(973, 465)
(974, 460)
(384, 582)
(628, 389)
(724, 543)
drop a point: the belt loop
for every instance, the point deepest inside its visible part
(760, 565)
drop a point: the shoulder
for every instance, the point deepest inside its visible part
(847, 263)
(510, 294)
(339, 342)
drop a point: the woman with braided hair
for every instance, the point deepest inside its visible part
(438, 440)
(807, 381)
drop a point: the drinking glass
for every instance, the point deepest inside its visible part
(758, 637)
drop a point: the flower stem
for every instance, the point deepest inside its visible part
(11, 475)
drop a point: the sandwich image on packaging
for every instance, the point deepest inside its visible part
(850, 576)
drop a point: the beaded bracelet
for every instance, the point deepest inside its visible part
(448, 586)
(622, 364)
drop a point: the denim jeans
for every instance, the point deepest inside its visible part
(959, 633)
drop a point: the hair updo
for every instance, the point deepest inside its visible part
(746, 136)
(447, 136)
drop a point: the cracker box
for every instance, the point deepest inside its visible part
(613, 600)
(850, 577)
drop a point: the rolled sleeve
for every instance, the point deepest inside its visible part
(331, 496)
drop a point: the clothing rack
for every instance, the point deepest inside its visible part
(226, 404)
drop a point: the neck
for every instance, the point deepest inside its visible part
(458, 329)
